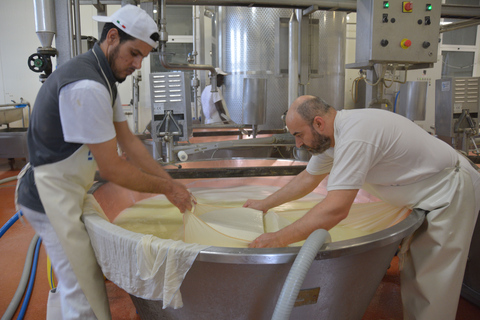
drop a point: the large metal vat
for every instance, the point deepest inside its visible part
(233, 283)
(254, 42)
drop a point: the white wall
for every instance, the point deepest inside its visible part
(18, 42)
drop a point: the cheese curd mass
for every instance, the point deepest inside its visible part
(219, 219)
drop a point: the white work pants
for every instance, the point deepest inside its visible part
(433, 268)
(73, 302)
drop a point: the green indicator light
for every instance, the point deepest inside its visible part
(386, 4)
(429, 7)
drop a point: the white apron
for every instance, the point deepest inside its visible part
(433, 259)
(63, 187)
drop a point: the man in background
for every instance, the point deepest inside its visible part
(213, 105)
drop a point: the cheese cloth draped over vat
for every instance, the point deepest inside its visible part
(153, 268)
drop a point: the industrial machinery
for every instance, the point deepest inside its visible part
(457, 102)
(251, 279)
(45, 26)
(297, 48)
(394, 36)
(13, 140)
(171, 110)
(402, 32)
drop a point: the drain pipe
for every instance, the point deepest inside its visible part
(180, 66)
(195, 81)
(293, 59)
(297, 273)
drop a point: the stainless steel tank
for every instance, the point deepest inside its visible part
(253, 43)
(233, 283)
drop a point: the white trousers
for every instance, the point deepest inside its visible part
(433, 268)
(74, 304)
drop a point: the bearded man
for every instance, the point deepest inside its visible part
(397, 161)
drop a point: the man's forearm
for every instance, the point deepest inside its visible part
(303, 184)
(129, 176)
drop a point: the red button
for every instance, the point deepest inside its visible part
(408, 6)
(405, 43)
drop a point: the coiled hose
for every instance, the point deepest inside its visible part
(297, 273)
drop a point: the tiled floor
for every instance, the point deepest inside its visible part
(385, 305)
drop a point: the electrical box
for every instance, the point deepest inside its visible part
(171, 106)
(395, 31)
(456, 107)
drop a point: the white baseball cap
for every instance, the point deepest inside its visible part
(220, 71)
(135, 22)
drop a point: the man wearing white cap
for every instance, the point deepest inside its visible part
(213, 105)
(76, 124)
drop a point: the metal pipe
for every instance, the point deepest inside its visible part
(179, 66)
(459, 25)
(293, 58)
(45, 21)
(195, 81)
(77, 30)
(135, 88)
(70, 28)
(447, 11)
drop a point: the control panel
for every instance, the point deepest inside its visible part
(397, 31)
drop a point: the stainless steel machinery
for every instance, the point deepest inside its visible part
(254, 43)
(457, 104)
(244, 283)
(171, 110)
(13, 141)
(393, 36)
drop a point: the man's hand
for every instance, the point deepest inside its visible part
(257, 205)
(179, 196)
(267, 240)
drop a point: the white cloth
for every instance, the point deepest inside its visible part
(74, 304)
(208, 105)
(87, 118)
(379, 147)
(143, 265)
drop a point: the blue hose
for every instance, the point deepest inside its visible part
(21, 314)
(395, 104)
(10, 222)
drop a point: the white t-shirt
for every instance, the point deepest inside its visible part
(381, 148)
(86, 112)
(208, 105)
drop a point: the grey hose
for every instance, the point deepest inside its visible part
(8, 179)
(297, 274)
(17, 297)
